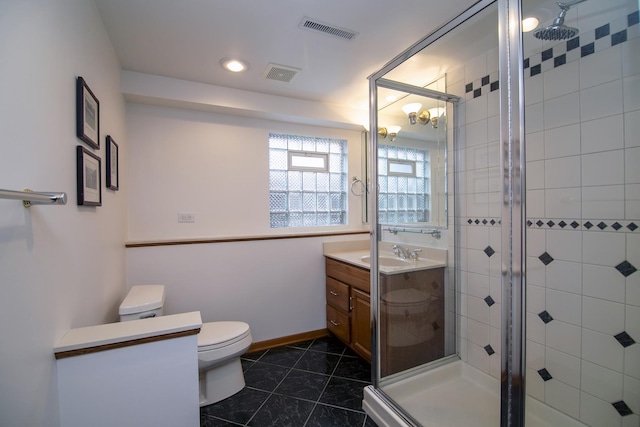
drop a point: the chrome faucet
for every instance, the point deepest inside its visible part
(404, 253)
(400, 251)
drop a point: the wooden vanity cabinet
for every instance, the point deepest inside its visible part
(411, 319)
(348, 305)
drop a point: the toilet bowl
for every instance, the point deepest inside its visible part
(220, 344)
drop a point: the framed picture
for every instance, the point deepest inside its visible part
(113, 183)
(87, 114)
(89, 178)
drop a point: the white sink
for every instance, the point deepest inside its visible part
(387, 261)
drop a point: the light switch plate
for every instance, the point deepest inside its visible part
(186, 217)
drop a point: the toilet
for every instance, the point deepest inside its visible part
(220, 344)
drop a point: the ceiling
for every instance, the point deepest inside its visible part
(186, 40)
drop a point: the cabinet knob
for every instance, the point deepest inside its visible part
(334, 293)
(334, 323)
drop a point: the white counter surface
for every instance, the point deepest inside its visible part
(119, 332)
(355, 255)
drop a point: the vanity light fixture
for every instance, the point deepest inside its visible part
(234, 65)
(411, 110)
(391, 132)
(415, 114)
(435, 114)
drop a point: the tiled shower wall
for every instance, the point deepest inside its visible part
(583, 209)
(478, 209)
(582, 118)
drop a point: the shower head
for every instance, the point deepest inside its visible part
(557, 30)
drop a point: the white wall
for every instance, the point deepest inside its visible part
(276, 286)
(61, 266)
(214, 165)
(150, 384)
(217, 167)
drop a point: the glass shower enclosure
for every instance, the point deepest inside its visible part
(522, 196)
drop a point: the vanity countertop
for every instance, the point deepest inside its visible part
(357, 254)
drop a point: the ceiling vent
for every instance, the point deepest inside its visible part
(323, 27)
(281, 73)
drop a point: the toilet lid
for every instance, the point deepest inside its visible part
(219, 334)
(142, 298)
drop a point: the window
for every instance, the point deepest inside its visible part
(404, 178)
(306, 161)
(307, 181)
(401, 167)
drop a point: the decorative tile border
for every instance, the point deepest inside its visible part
(482, 86)
(587, 43)
(611, 225)
(489, 222)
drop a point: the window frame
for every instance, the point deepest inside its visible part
(388, 208)
(327, 187)
(411, 163)
(307, 154)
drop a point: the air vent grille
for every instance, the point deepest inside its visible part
(280, 73)
(323, 27)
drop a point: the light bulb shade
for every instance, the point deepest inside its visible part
(393, 132)
(436, 111)
(529, 24)
(414, 107)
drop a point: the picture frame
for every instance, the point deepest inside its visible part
(113, 168)
(87, 114)
(89, 178)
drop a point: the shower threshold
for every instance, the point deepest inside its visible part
(455, 394)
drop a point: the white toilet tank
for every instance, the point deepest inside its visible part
(141, 302)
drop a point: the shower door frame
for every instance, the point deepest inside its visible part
(513, 230)
(512, 162)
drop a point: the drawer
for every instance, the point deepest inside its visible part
(349, 274)
(338, 324)
(338, 294)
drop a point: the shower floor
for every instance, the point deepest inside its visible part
(451, 396)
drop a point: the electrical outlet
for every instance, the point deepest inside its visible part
(186, 217)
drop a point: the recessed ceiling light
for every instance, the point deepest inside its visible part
(234, 65)
(529, 24)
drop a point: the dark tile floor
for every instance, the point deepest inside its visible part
(316, 383)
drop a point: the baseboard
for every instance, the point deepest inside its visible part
(290, 339)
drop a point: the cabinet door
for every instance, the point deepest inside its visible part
(361, 323)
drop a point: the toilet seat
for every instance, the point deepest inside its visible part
(215, 335)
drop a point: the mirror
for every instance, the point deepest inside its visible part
(412, 154)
